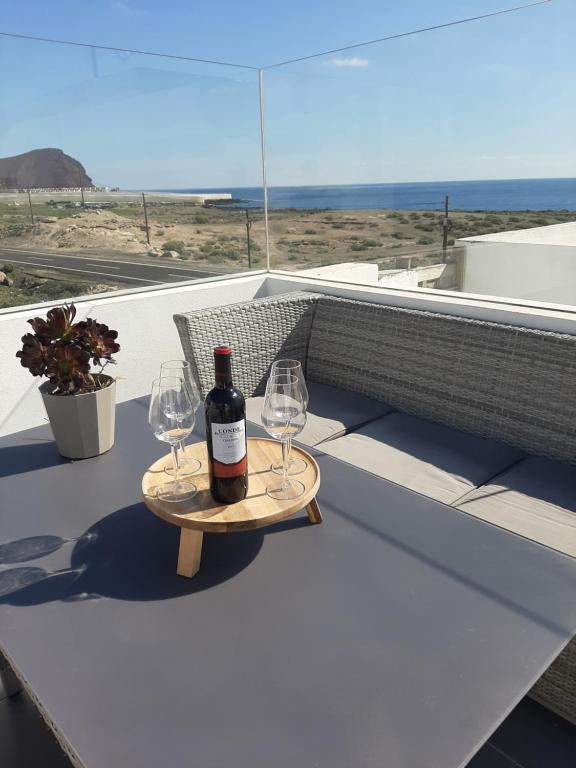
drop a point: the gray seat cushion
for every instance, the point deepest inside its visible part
(437, 461)
(331, 412)
(535, 498)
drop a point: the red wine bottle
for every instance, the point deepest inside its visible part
(225, 410)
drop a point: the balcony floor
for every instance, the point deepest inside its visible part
(531, 737)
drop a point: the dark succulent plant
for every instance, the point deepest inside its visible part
(58, 325)
(33, 354)
(101, 340)
(63, 351)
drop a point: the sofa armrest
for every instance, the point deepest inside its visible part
(258, 331)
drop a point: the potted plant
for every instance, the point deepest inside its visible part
(80, 403)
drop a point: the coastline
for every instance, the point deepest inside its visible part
(513, 195)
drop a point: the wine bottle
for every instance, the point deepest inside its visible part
(225, 410)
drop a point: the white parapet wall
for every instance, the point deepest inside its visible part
(537, 264)
(347, 272)
(398, 278)
(146, 333)
(539, 272)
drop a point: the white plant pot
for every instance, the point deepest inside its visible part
(83, 425)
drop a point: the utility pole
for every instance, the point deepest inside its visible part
(81, 185)
(248, 228)
(30, 204)
(445, 227)
(146, 219)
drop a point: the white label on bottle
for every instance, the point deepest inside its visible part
(229, 442)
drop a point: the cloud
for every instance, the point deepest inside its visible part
(128, 10)
(353, 62)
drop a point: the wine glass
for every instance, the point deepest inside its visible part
(283, 417)
(182, 369)
(171, 418)
(294, 367)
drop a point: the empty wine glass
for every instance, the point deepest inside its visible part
(283, 417)
(294, 367)
(171, 418)
(183, 370)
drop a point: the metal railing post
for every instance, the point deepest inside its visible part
(263, 161)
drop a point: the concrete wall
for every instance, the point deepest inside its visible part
(146, 333)
(347, 272)
(545, 273)
(398, 278)
(545, 317)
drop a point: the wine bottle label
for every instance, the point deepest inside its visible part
(229, 442)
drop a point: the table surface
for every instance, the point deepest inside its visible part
(399, 633)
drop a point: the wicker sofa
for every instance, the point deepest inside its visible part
(478, 415)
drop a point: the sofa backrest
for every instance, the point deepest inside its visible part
(513, 384)
(258, 331)
(509, 383)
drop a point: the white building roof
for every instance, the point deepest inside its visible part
(554, 234)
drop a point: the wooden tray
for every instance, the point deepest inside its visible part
(202, 514)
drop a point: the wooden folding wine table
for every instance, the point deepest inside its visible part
(202, 514)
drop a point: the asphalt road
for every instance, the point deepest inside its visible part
(96, 268)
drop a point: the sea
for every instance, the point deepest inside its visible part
(502, 195)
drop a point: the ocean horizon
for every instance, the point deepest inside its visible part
(499, 195)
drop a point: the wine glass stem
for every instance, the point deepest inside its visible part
(174, 449)
(285, 456)
(182, 448)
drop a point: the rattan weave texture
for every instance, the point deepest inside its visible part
(556, 689)
(512, 384)
(258, 331)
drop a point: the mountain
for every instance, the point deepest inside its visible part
(50, 168)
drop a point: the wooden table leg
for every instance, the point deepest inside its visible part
(313, 510)
(190, 552)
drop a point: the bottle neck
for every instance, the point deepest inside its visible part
(222, 371)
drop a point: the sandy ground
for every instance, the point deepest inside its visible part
(297, 238)
(90, 229)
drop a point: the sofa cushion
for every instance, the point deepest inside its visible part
(535, 498)
(437, 461)
(331, 412)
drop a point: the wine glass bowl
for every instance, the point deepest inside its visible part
(171, 419)
(284, 417)
(294, 367)
(183, 370)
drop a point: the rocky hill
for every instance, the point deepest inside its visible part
(42, 168)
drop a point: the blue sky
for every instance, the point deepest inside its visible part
(490, 99)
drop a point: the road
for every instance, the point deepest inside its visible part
(135, 273)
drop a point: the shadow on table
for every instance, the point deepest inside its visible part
(130, 555)
(30, 548)
(16, 459)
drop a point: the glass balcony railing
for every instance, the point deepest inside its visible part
(420, 161)
(116, 171)
(401, 163)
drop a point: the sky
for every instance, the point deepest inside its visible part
(488, 99)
